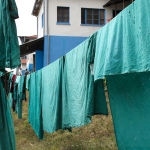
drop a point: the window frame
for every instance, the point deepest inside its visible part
(86, 14)
(60, 22)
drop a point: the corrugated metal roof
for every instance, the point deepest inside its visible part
(112, 2)
(36, 7)
(32, 46)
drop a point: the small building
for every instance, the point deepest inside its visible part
(27, 61)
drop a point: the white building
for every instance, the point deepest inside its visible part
(63, 24)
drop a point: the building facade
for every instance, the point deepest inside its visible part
(27, 61)
(65, 24)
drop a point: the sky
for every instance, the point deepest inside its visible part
(26, 23)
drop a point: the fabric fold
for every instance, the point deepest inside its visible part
(52, 96)
(35, 105)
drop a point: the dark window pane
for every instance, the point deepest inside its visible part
(66, 15)
(82, 15)
(82, 21)
(89, 21)
(95, 17)
(95, 21)
(89, 11)
(102, 21)
(65, 20)
(92, 16)
(89, 16)
(95, 12)
(102, 14)
(62, 14)
(59, 19)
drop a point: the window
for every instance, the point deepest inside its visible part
(42, 20)
(116, 12)
(92, 16)
(63, 14)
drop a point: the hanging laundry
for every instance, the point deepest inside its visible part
(129, 96)
(81, 99)
(27, 81)
(7, 136)
(52, 96)
(14, 94)
(123, 45)
(35, 106)
(20, 94)
(9, 47)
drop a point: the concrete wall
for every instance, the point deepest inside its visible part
(75, 28)
(60, 45)
(40, 28)
(39, 60)
(62, 38)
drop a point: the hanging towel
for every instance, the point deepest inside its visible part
(20, 93)
(129, 96)
(27, 81)
(7, 135)
(81, 99)
(9, 47)
(123, 45)
(52, 96)
(35, 106)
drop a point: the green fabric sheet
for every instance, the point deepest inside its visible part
(52, 96)
(7, 135)
(9, 47)
(129, 96)
(123, 45)
(35, 106)
(28, 81)
(20, 97)
(81, 97)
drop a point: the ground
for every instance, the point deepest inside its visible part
(98, 135)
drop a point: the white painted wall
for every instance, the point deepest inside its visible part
(40, 29)
(75, 28)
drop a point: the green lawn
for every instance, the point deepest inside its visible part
(98, 135)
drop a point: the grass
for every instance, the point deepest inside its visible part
(98, 135)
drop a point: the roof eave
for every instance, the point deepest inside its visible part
(36, 7)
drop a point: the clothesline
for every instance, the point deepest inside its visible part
(64, 93)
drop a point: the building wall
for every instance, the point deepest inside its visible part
(62, 38)
(39, 60)
(40, 28)
(75, 28)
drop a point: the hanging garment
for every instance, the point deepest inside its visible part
(20, 94)
(24, 88)
(52, 96)
(14, 94)
(13, 83)
(129, 96)
(81, 99)
(27, 81)
(35, 106)
(7, 136)
(123, 45)
(9, 47)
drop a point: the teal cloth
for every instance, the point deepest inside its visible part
(9, 47)
(52, 96)
(28, 81)
(9, 88)
(81, 97)
(18, 95)
(35, 106)
(7, 135)
(123, 45)
(129, 96)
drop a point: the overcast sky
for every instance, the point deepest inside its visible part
(26, 23)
